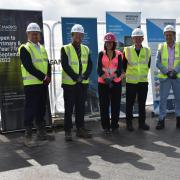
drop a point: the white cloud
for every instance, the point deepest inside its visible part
(55, 9)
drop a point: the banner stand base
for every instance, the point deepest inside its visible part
(21, 130)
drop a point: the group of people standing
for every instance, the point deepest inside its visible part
(112, 66)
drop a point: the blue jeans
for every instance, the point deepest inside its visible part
(165, 86)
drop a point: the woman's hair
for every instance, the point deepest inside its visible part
(113, 48)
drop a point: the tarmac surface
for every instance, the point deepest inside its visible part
(138, 155)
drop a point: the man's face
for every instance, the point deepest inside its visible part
(137, 40)
(34, 37)
(77, 37)
(170, 37)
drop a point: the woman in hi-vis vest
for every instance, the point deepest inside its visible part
(109, 68)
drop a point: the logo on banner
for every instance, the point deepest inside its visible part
(8, 28)
(169, 23)
(132, 19)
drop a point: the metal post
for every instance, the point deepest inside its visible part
(53, 55)
(50, 57)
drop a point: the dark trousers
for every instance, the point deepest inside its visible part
(132, 90)
(74, 96)
(35, 105)
(109, 96)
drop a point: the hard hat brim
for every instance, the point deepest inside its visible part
(137, 35)
(77, 32)
(169, 31)
(32, 31)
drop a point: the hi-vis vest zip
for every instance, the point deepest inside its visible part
(110, 67)
(164, 58)
(137, 68)
(39, 60)
(74, 63)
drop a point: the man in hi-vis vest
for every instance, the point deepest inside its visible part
(36, 74)
(136, 64)
(168, 63)
(77, 66)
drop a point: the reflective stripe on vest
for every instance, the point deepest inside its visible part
(137, 68)
(110, 67)
(164, 58)
(74, 63)
(39, 60)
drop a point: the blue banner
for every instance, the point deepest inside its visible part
(122, 24)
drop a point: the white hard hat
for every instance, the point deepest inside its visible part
(77, 28)
(33, 27)
(137, 32)
(169, 28)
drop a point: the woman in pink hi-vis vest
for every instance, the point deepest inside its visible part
(109, 68)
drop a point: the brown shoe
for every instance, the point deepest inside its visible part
(83, 133)
(43, 136)
(29, 142)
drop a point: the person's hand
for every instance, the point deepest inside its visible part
(103, 76)
(122, 75)
(80, 79)
(107, 81)
(84, 77)
(46, 80)
(169, 74)
(172, 74)
(111, 84)
(114, 76)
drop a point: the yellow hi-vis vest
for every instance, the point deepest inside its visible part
(74, 63)
(137, 67)
(39, 60)
(164, 58)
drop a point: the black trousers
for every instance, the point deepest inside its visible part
(109, 96)
(35, 105)
(132, 90)
(74, 96)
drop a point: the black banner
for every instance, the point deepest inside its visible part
(13, 25)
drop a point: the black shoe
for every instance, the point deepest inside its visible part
(43, 136)
(144, 127)
(28, 132)
(129, 125)
(68, 136)
(160, 125)
(178, 122)
(30, 142)
(83, 133)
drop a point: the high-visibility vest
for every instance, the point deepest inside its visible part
(74, 63)
(164, 58)
(110, 67)
(39, 60)
(137, 67)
